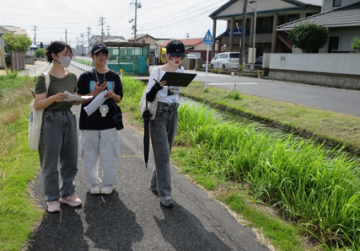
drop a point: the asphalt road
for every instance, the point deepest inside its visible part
(131, 218)
(324, 98)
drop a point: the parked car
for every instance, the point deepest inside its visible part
(225, 60)
(259, 60)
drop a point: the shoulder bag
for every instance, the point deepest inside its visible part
(35, 119)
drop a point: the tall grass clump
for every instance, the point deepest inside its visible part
(317, 188)
(133, 90)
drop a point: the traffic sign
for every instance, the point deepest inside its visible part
(208, 39)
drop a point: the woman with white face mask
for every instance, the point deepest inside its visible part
(58, 139)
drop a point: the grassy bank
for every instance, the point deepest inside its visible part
(18, 164)
(331, 127)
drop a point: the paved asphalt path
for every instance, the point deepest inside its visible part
(131, 218)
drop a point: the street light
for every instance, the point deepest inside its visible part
(254, 35)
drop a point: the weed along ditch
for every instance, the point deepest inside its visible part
(312, 184)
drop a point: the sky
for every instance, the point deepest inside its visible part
(160, 19)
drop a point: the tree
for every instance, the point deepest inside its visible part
(356, 44)
(40, 53)
(309, 37)
(16, 43)
(41, 45)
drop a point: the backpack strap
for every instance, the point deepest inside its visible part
(159, 71)
(47, 81)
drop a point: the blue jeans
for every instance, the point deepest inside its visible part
(162, 130)
(58, 144)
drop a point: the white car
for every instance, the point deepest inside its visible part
(225, 60)
(191, 56)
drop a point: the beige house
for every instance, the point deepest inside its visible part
(12, 29)
(269, 15)
(145, 39)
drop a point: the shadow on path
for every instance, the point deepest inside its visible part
(60, 231)
(111, 225)
(185, 232)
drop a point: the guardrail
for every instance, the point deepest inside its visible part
(81, 65)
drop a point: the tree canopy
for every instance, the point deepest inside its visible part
(16, 43)
(309, 37)
(356, 44)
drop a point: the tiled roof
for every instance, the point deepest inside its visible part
(186, 41)
(344, 16)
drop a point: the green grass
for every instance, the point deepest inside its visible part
(280, 233)
(318, 189)
(18, 166)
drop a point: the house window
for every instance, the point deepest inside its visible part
(333, 44)
(336, 3)
(292, 18)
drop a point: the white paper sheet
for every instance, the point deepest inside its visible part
(73, 97)
(96, 103)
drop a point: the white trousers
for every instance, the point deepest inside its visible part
(103, 144)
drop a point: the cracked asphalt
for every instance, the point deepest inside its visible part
(131, 218)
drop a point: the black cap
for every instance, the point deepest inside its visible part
(99, 47)
(175, 48)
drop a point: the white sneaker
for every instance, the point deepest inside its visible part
(95, 189)
(107, 189)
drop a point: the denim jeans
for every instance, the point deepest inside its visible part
(58, 144)
(162, 131)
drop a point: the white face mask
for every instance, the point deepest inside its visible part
(64, 62)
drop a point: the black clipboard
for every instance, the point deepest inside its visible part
(178, 78)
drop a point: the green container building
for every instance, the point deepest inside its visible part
(132, 58)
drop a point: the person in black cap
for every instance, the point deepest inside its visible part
(164, 126)
(98, 135)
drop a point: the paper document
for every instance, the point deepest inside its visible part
(96, 103)
(73, 97)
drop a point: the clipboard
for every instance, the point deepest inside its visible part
(178, 78)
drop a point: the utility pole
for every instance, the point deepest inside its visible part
(137, 5)
(88, 35)
(108, 28)
(82, 44)
(242, 40)
(35, 27)
(65, 35)
(101, 20)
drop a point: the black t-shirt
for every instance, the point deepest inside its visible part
(86, 85)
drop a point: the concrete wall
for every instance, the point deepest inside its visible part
(334, 70)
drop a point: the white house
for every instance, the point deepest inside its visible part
(341, 17)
